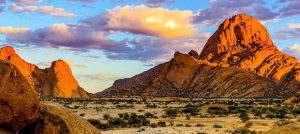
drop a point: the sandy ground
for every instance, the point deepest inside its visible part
(228, 123)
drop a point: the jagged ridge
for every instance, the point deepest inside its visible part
(56, 81)
(238, 60)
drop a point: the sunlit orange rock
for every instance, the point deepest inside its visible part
(56, 81)
(238, 60)
(62, 82)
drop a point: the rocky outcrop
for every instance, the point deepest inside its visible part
(56, 81)
(19, 104)
(238, 60)
(59, 81)
(58, 120)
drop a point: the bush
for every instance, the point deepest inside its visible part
(217, 111)
(98, 124)
(200, 125)
(188, 125)
(271, 116)
(151, 106)
(217, 126)
(191, 109)
(153, 125)
(116, 122)
(188, 117)
(179, 125)
(244, 116)
(106, 116)
(171, 112)
(162, 124)
(82, 114)
(149, 115)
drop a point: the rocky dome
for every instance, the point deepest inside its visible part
(56, 81)
(65, 85)
(235, 35)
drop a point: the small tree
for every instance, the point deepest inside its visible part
(244, 117)
(188, 116)
(171, 112)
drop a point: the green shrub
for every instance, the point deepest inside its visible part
(217, 126)
(171, 112)
(191, 109)
(244, 116)
(188, 117)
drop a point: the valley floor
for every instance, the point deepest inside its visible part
(206, 121)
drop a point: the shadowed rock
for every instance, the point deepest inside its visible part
(19, 105)
(58, 120)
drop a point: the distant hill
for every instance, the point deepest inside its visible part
(238, 60)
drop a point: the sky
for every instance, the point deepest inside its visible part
(106, 40)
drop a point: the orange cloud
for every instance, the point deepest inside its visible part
(71, 63)
(152, 21)
(294, 26)
(13, 30)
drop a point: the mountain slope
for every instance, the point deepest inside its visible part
(56, 81)
(238, 60)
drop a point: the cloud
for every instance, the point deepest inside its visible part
(58, 12)
(83, 38)
(12, 30)
(156, 3)
(26, 1)
(96, 76)
(293, 50)
(292, 8)
(144, 41)
(294, 26)
(221, 9)
(288, 34)
(71, 63)
(145, 20)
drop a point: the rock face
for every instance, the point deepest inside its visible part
(58, 120)
(56, 81)
(238, 60)
(19, 105)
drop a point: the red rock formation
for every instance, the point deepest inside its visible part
(238, 60)
(56, 81)
(19, 104)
